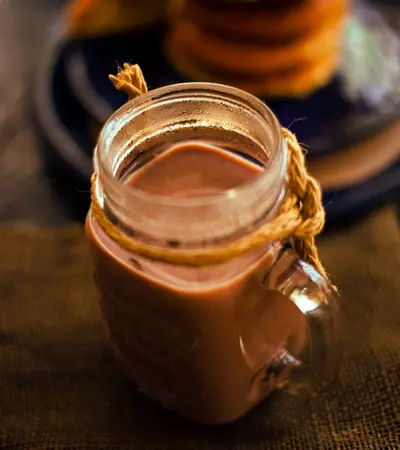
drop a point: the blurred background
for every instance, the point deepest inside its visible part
(59, 386)
(26, 194)
(47, 70)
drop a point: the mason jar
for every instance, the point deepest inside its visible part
(200, 166)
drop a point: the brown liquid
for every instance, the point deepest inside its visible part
(197, 340)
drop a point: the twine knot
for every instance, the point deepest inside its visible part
(300, 219)
(130, 80)
(307, 192)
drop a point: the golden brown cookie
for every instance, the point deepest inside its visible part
(250, 21)
(96, 17)
(295, 82)
(253, 59)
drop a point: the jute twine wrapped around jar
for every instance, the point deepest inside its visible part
(300, 219)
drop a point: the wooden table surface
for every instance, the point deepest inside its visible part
(26, 194)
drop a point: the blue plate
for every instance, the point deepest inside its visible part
(362, 99)
(69, 134)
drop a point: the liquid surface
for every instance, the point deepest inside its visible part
(194, 169)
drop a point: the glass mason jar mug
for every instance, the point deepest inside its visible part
(194, 166)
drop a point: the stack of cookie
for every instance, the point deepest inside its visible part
(272, 48)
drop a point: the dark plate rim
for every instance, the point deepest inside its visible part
(61, 141)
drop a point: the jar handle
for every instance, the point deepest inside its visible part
(316, 298)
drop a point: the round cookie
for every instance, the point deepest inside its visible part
(259, 21)
(100, 17)
(255, 59)
(296, 82)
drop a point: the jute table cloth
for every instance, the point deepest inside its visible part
(60, 387)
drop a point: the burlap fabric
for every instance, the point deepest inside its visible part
(60, 387)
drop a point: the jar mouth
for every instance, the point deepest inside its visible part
(107, 169)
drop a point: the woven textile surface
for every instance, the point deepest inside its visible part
(60, 387)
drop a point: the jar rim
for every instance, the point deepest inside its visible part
(140, 104)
